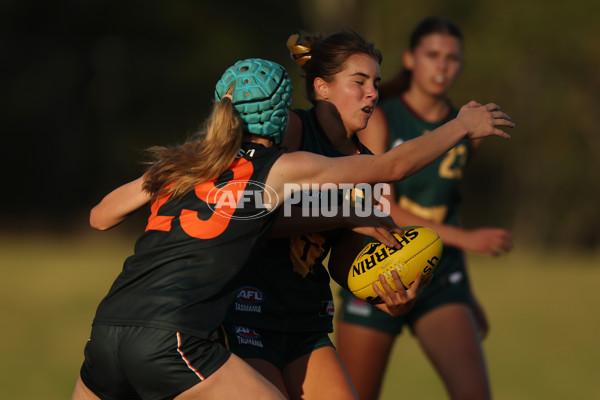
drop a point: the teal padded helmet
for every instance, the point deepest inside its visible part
(262, 92)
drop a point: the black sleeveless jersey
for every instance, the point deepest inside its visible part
(179, 277)
(286, 286)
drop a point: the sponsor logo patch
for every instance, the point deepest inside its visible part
(358, 307)
(248, 336)
(327, 309)
(248, 299)
(249, 294)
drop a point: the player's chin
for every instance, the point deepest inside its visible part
(438, 90)
(362, 124)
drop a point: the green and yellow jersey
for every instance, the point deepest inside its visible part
(434, 192)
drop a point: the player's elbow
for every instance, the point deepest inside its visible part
(401, 171)
(96, 221)
(391, 169)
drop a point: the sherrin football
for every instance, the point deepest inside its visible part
(421, 250)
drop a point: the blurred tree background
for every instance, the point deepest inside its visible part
(89, 84)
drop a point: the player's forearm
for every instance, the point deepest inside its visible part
(415, 154)
(116, 206)
(451, 235)
(297, 220)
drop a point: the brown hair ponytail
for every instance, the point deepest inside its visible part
(323, 57)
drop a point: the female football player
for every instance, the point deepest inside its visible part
(473, 121)
(447, 320)
(292, 311)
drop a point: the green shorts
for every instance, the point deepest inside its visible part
(277, 347)
(450, 284)
(134, 362)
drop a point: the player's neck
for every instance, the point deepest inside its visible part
(429, 108)
(333, 127)
(257, 139)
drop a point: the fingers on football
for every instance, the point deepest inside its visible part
(388, 292)
(381, 294)
(415, 286)
(398, 230)
(390, 240)
(386, 237)
(398, 283)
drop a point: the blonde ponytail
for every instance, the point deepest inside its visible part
(205, 156)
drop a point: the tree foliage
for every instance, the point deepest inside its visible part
(89, 84)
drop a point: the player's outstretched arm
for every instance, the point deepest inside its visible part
(489, 241)
(116, 206)
(473, 121)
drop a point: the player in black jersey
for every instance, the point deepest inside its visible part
(156, 333)
(163, 341)
(444, 318)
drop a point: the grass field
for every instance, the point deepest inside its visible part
(543, 310)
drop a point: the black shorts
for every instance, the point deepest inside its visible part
(135, 362)
(277, 347)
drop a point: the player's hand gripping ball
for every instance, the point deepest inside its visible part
(420, 251)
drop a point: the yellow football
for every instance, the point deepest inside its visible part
(421, 250)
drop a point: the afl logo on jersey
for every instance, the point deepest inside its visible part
(248, 294)
(243, 199)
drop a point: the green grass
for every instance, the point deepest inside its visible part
(542, 309)
(48, 295)
(543, 342)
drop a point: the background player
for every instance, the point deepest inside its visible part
(447, 320)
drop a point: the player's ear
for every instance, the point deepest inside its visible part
(408, 60)
(321, 88)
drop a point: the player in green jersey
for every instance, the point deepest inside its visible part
(292, 304)
(446, 319)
